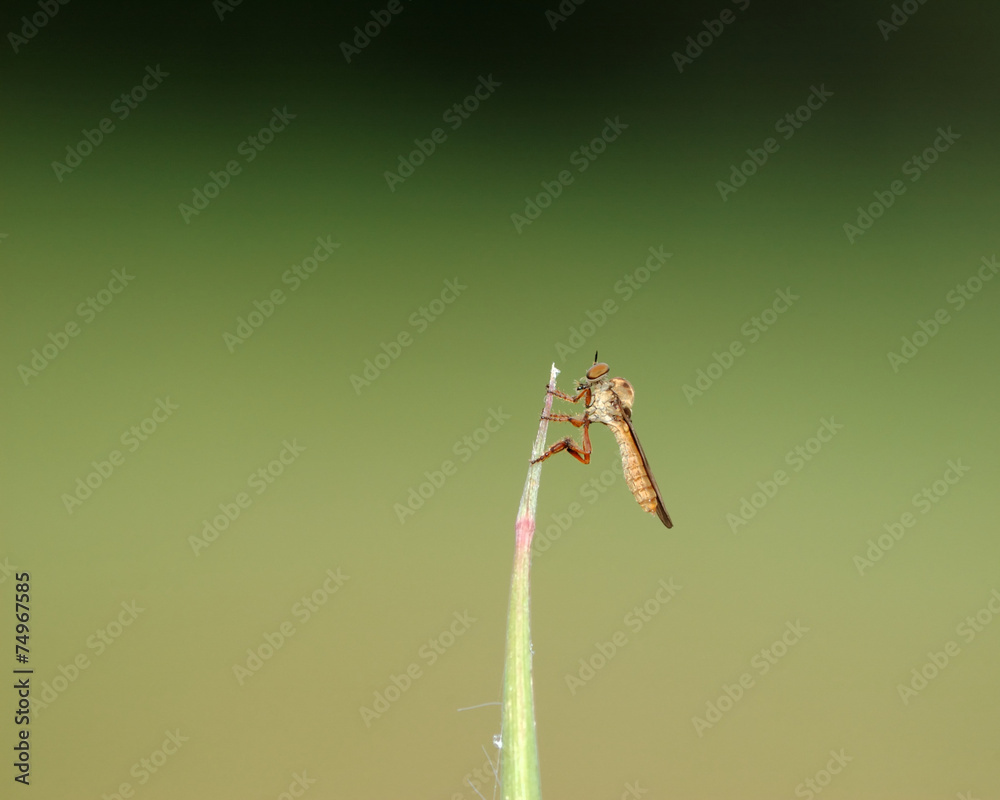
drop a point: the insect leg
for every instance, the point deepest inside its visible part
(581, 454)
(575, 421)
(571, 398)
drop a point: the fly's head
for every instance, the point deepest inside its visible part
(608, 392)
(613, 391)
(596, 377)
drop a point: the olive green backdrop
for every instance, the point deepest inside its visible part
(268, 410)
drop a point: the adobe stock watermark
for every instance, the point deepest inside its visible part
(591, 491)
(6, 570)
(914, 168)
(428, 655)
(901, 14)
(958, 298)
(581, 158)
(635, 620)
(815, 784)
(363, 34)
(223, 7)
(464, 449)
(626, 287)
(30, 26)
(147, 766)
(420, 320)
(453, 116)
(87, 310)
(939, 660)
(711, 30)
(249, 148)
(297, 786)
(302, 611)
(633, 790)
(98, 642)
(121, 107)
(752, 330)
(562, 12)
(787, 126)
(479, 779)
(259, 481)
(132, 438)
(294, 277)
(761, 663)
(796, 458)
(923, 501)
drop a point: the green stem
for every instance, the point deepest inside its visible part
(519, 773)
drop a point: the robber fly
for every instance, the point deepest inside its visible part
(609, 400)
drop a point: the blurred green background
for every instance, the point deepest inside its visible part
(483, 304)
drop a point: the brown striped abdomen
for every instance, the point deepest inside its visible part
(636, 476)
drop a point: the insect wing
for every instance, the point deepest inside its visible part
(661, 510)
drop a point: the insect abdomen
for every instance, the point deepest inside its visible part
(636, 476)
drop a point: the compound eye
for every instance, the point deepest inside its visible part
(596, 371)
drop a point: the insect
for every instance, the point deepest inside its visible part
(609, 400)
